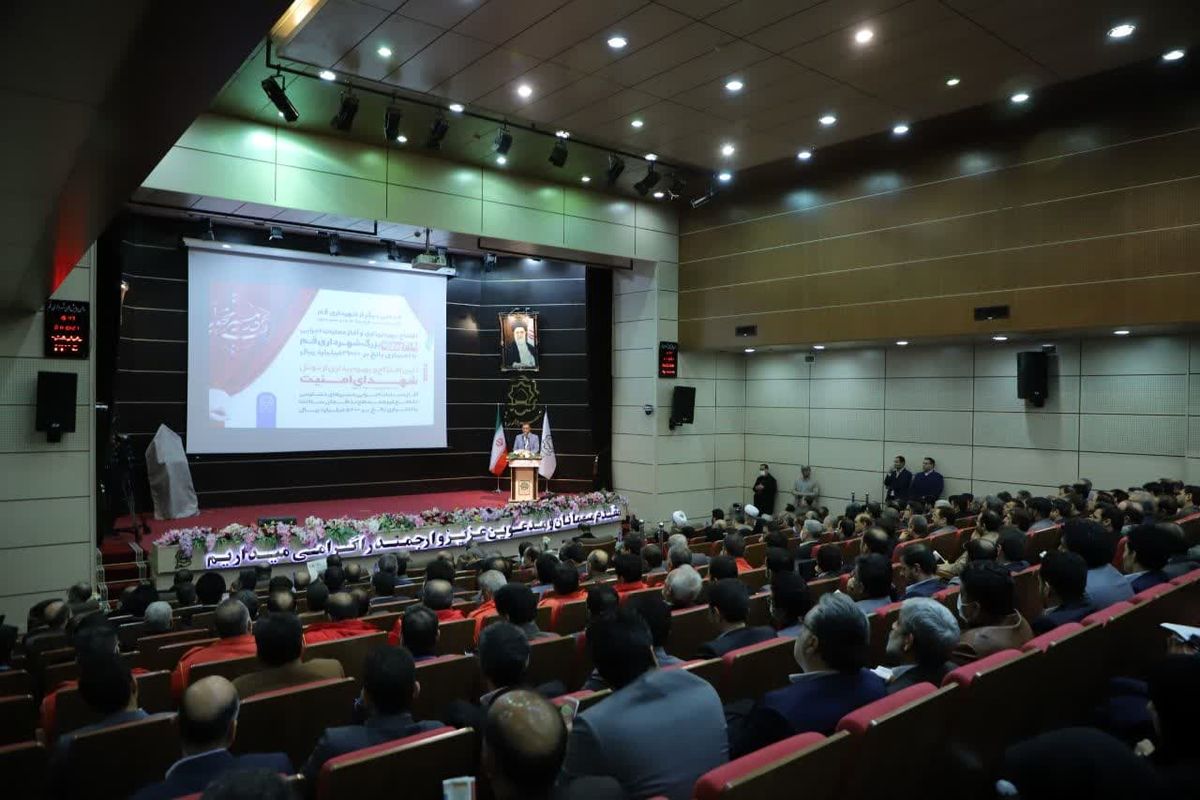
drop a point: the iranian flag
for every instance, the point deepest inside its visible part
(499, 461)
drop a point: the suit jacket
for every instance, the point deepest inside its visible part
(1106, 585)
(926, 588)
(814, 702)
(897, 484)
(535, 444)
(296, 673)
(912, 675)
(192, 774)
(1146, 580)
(348, 738)
(732, 640)
(512, 357)
(1061, 615)
(926, 484)
(624, 736)
(764, 500)
(1012, 632)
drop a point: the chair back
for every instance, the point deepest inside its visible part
(456, 637)
(992, 683)
(18, 718)
(754, 579)
(72, 713)
(751, 671)
(28, 761)
(690, 628)
(808, 765)
(423, 761)
(227, 668)
(1041, 541)
(948, 544)
(167, 656)
(57, 674)
(351, 651)
(551, 659)
(291, 720)
(572, 617)
(823, 586)
(129, 633)
(15, 681)
(756, 554)
(1069, 680)
(100, 762)
(382, 620)
(442, 679)
(881, 625)
(760, 609)
(1028, 592)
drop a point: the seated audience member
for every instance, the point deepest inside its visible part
(301, 580)
(920, 643)
(1148, 549)
(207, 723)
(281, 603)
(185, 595)
(419, 628)
(986, 604)
(247, 579)
(438, 596)
(876, 540)
(1105, 583)
(108, 688)
(334, 578)
(657, 614)
(629, 571)
(249, 784)
(1189, 500)
(871, 582)
(383, 584)
(682, 587)
(652, 557)
(546, 566)
(389, 687)
(987, 530)
(681, 555)
(439, 569)
(942, 518)
(573, 553)
(158, 617)
(232, 623)
(735, 547)
(1063, 578)
(597, 565)
(1010, 550)
(46, 625)
(249, 599)
(1174, 707)
(280, 583)
(343, 622)
(136, 602)
(832, 652)
(1018, 518)
(490, 582)
(318, 596)
(918, 528)
(622, 737)
(355, 573)
(722, 568)
(829, 562)
(779, 560)
(729, 607)
(1040, 510)
(516, 603)
(1075, 763)
(280, 642)
(601, 600)
(566, 590)
(920, 570)
(362, 599)
(503, 659)
(789, 603)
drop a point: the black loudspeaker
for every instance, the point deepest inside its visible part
(1033, 368)
(683, 406)
(56, 404)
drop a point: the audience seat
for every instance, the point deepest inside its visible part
(711, 670)
(351, 651)
(1028, 592)
(1118, 559)
(572, 617)
(949, 598)
(167, 656)
(292, 720)
(585, 698)
(1041, 541)
(1151, 593)
(551, 659)
(949, 544)
(23, 766)
(442, 679)
(756, 554)
(822, 586)
(227, 668)
(607, 545)
(382, 620)
(1105, 615)
(881, 625)
(58, 674)
(751, 671)
(656, 580)
(18, 718)
(1070, 677)
(625, 596)
(690, 628)
(754, 579)
(456, 637)
(154, 695)
(991, 685)
(760, 609)
(117, 761)
(414, 766)
(206, 619)
(808, 765)
(583, 660)
(1134, 639)
(129, 633)
(1183, 605)
(889, 732)
(15, 681)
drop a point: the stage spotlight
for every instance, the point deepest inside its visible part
(616, 166)
(276, 234)
(208, 234)
(678, 184)
(558, 155)
(279, 99)
(391, 123)
(502, 143)
(343, 120)
(704, 198)
(437, 132)
(335, 245)
(647, 183)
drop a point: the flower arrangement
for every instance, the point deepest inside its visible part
(314, 530)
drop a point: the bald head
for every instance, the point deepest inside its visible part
(57, 614)
(597, 562)
(301, 579)
(231, 618)
(438, 594)
(525, 742)
(341, 605)
(208, 715)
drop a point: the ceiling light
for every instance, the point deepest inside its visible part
(636, 123)
(749, 350)
(651, 157)
(501, 160)
(502, 143)
(525, 90)
(585, 179)
(226, 247)
(659, 195)
(437, 132)
(727, 149)
(900, 129)
(616, 166)
(864, 35)
(724, 177)
(1173, 55)
(999, 338)
(804, 155)
(1121, 332)
(648, 182)
(953, 81)
(343, 120)
(558, 153)
(818, 347)
(391, 123)
(279, 99)
(384, 51)
(402, 139)
(617, 42)
(327, 75)
(902, 342)
(827, 120)
(1020, 97)
(563, 134)
(275, 234)
(1121, 31)
(457, 108)
(734, 85)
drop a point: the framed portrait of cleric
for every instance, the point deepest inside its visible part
(520, 344)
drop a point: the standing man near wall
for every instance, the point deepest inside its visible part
(897, 481)
(765, 489)
(927, 485)
(805, 489)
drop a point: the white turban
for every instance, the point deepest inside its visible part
(751, 511)
(679, 518)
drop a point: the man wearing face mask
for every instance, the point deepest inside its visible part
(765, 489)
(987, 607)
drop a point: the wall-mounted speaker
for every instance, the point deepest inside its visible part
(683, 406)
(1033, 377)
(56, 404)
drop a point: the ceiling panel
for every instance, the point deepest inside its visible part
(745, 17)
(438, 62)
(712, 95)
(544, 79)
(403, 36)
(682, 46)
(642, 28)
(698, 9)
(500, 20)
(574, 22)
(489, 72)
(819, 19)
(343, 25)
(442, 13)
(563, 103)
(721, 62)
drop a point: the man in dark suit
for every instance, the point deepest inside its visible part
(1010, 550)
(765, 489)
(832, 651)
(729, 606)
(520, 353)
(623, 736)
(897, 480)
(280, 641)
(920, 643)
(920, 571)
(1063, 577)
(1148, 549)
(207, 721)
(389, 687)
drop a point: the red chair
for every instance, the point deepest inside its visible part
(809, 764)
(1118, 560)
(949, 598)
(992, 683)
(1069, 677)
(1105, 615)
(711, 670)
(420, 763)
(751, 671)
(1041, 541)
(15, 682)
(455, 637)
(881, 625)
(754, 579)
(821, 587)
(690, 628)
(948, 544)
(1187, 577)
(101, 765)
(552, 659)
(1152, 592)
(1028, 592)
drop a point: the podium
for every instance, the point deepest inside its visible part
(523, 474)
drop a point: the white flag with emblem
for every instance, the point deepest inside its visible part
(549, 461)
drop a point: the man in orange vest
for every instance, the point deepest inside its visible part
(232, 621)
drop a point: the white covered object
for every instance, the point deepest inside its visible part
(170, 477)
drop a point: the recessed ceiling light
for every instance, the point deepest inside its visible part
(617, 42)
(280, 113)
(749, 349)
(902, 342)
(651, 157)
(525, 90)
(999, 338)
(585, 179)
(804, 155)
(659, 195)
(501, 160)
(1121, 31)
(384, 51)
(900, 129)
(457, 108)
(818, 347)
(1173, 55)
(402, 139)
(734, 85)
(728, 149)
(864, 35)
(226, 247)
(827, 120)
(1121, 332)
(724, 177)
(1020, 97)
(953, 81)
(563, 134)
(636, 123)
(327, 75)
